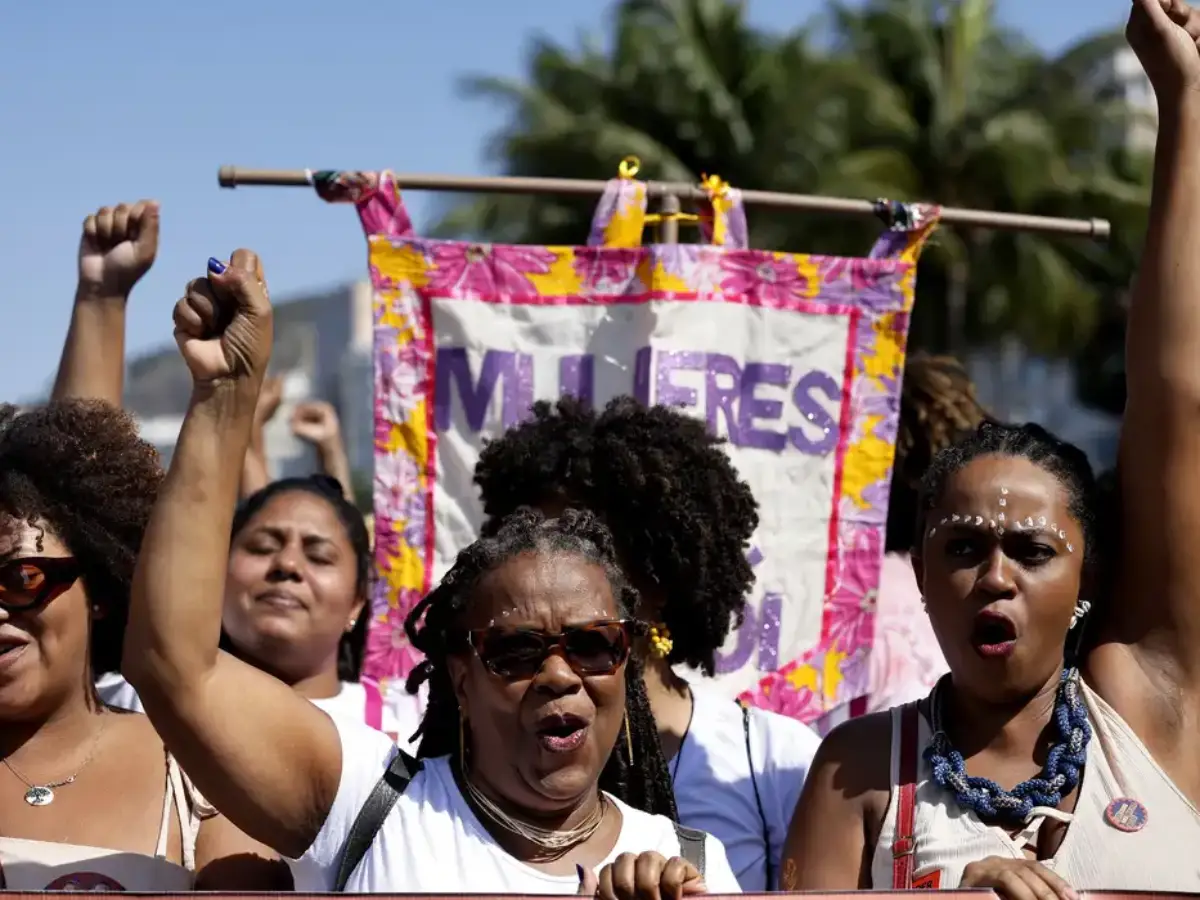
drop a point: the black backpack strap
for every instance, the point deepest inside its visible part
(691, 846)
(370, 818)
(762, 814)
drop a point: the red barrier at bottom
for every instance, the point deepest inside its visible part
(874, 895)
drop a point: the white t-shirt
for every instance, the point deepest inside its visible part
(714, 791)
(431, 842)
(357, 701)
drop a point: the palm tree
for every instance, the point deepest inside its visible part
(907, 99)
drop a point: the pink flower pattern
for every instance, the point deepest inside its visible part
(850, 612)
(878, 289)
(487, 270)
(762, 276)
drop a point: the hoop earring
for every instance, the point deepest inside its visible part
(660, 640)
(628, 740)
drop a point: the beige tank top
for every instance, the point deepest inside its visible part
(47, 866)
(1132, 829)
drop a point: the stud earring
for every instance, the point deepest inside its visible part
(350, 625)
(628, 740)
(1082, 608)
(660, 641)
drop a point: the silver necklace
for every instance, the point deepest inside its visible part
(554, 843)
(43, 794)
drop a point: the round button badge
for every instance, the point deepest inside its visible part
(1126, 814)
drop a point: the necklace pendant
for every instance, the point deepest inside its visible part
(39, 796)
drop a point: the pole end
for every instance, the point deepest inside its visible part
(1101, 229)
(227, 176)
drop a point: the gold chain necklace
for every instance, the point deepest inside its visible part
(554, 843)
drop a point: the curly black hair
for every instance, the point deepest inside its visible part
(681, 515)
(434, 628)
(1063, 460)
(329, 489)
(78, 468)
(938, 408)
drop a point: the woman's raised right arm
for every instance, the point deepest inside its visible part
(264, 756)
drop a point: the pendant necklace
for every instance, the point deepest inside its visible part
(43, 794)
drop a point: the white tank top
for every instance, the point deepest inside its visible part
(1154, 852)
(50, 866)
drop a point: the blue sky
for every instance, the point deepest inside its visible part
(106, 102)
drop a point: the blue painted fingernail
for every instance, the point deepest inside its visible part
(215, 265)
(579, 869)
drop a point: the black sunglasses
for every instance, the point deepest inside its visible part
(596, 648)
(34, 581)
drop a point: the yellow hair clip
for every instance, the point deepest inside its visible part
(629, 167)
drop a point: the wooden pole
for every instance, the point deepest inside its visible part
(233, 176)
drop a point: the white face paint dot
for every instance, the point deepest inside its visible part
(955, 518)
(1003, 502)
(979, 520)
(1000, 517)
(1041, 521)
(1029, 521)
(1070, 549)
(1062, 535)
(1003, 490)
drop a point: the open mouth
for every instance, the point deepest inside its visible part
(993, 634)
(10, 652)
(562, 733)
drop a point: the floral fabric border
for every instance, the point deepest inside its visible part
(876, 293)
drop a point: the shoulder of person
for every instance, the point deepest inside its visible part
(854, 761)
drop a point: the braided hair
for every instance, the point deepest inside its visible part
(1066, 462)
(434, 623)
(938, 408)
(329, 489)
(681, 516)
(79, 467)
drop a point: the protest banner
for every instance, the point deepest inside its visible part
(795, 359)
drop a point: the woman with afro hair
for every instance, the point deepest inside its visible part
(682, 520)
(76, 489)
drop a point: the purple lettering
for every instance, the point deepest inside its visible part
(665, 392)
(641, 375)
(814, 412)
(577, 378)
(760, 630)
(721, 398)
(518, 392)
(514, 371)
(751, 407)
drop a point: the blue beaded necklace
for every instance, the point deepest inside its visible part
(1064, 764)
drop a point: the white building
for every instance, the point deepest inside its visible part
(322, 351)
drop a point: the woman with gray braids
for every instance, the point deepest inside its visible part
(1059, 752)
(538, 744)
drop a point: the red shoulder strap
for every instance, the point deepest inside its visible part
(903, 846)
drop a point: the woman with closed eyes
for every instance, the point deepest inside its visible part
(537, 743)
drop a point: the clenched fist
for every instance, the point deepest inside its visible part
(1164, 35)
(223, 322)
(118, 247)
(316, 422)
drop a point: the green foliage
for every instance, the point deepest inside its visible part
(906, 99)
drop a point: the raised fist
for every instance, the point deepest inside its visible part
(1164, 35)
(223, 322)
(316, 422)
(118, 247)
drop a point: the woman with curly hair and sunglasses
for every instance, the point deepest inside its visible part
(682, 519)
(76, 489)
(536, 744)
